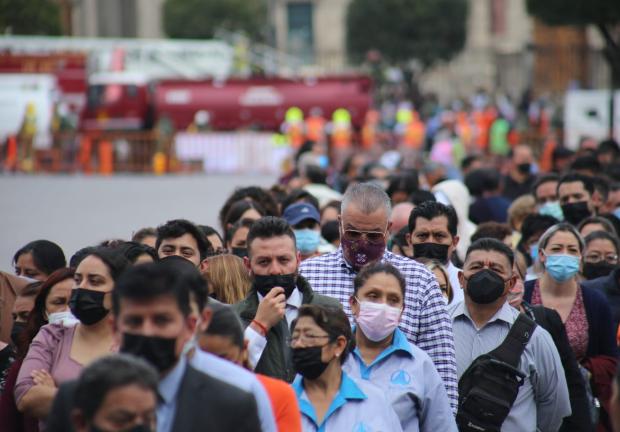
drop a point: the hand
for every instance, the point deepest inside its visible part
(42, 377)
(271, 309)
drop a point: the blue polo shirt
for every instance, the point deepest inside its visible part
(407, 376)
(357, 407)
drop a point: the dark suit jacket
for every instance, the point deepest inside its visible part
(203, 404)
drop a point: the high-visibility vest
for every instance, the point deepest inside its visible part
(369, 129)
(315, 128)
(341, 134)
(414, 134)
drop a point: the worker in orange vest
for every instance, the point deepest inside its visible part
(370, 129)
(415, 132)
(315, 125)
(341, 128)
(293, 127)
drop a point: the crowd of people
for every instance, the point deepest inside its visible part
(372, 297)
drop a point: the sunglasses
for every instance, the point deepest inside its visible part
(371, 236)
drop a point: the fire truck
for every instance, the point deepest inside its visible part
(126, 101)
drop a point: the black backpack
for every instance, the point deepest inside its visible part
(489, 386)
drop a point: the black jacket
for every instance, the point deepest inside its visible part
(610, 287)
(276, 358)
(203, 404)
(579, 420)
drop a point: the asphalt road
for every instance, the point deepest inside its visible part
(77, 211)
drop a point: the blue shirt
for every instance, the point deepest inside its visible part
(408, 377)
(358, 406)
(234, 375)
(425, 320)
(542, 401)
(168, 390)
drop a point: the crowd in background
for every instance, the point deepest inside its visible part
(353, 294)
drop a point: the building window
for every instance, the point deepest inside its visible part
(300, 40)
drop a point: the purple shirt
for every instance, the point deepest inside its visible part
(49, 350)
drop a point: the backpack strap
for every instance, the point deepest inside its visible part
(512, 347)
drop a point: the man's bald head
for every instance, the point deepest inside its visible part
(400, 216)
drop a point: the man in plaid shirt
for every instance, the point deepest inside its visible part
(364, 228)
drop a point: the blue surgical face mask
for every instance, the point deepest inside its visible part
(552, 208)
(562, 267)
(534, 251)
(323, 161)
(617, 212)
(307, 240)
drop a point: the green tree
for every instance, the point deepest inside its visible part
(200, 19)
(30, 17)
(427, 30)
(603, 14)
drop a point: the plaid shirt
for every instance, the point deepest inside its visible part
(425, 319)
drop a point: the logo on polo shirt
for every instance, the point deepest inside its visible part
(400, 377)
(361, 427)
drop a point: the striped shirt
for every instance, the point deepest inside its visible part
(425, 319)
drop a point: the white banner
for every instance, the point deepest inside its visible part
(233, 152)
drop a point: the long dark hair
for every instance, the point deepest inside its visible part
(36, 318)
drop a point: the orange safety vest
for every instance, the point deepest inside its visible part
(414, 134)
(341, 137)
(295, 135)
(315, 128)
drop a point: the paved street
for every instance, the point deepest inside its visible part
(77, 211)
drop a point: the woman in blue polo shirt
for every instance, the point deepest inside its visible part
(383, 356)
(329, 399)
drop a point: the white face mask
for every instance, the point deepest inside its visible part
(64, 318)
(377, 320)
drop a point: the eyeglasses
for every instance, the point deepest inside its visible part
(372, 236)
(306, 339)
(596, 258)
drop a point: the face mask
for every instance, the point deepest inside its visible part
(617, 212)
(160, 352)
(597, 270)
(136, 428)
(485, 286)
(562, 267)
(435, 251)
(18, 328)
(575, 212)
(307, 240)
(323, 161)
(534, 252)
(552, 208)
(524, 168)
(240, 252)
(377, 320)
(359, 253)
(64, 318)
(87, 305)
(307, 362)
(264, 283)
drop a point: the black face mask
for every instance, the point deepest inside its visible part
(435, 251)
(136, 428)
(575, 212)
(158, 351)
(264, 283)
(597, 270)
(485, 286)
(524, 168)
(18, 328)
(307, 362)
(87, 305)
(240, 252)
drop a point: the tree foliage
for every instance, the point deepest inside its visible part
(427, 30)
(200, 19)
(30, 17)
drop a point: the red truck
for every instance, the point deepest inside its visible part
(125, 101)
